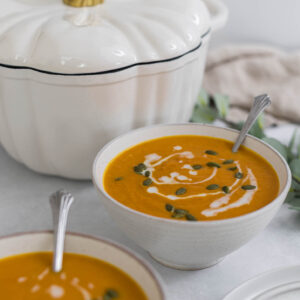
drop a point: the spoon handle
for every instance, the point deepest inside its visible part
(60, 203)
(260, 103)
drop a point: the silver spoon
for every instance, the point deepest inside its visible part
(60, 203)
(260, 103)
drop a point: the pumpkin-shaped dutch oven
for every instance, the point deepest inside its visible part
(76, 73)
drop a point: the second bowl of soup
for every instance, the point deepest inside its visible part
(93, 269)
(180, 193)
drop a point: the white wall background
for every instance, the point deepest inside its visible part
(273, 22)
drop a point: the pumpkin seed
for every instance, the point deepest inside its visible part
(147, 182)
(190, 217)
(140, 168)
(228, 161)
(169, 207)
(238, 175)
(226, 189)
(180, 191)
(111, 294)
(119, 178)
(232, 169)
(213, 164)
(147, 173)
(178, 215)
(211, 152)
(180, 211)
(248, 187)
(212, 187)
(196, 167)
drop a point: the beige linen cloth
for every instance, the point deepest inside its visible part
(242, 72)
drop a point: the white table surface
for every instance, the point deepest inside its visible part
(24, 207)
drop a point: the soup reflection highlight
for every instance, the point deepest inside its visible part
(191, 178)
(30, 277)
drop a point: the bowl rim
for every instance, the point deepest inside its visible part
(184, 222)
(137, 257)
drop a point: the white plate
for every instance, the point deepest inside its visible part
(278, 284)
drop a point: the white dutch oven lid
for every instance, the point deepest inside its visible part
(53, 36)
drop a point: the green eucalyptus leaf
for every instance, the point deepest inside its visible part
(203, 98)
(222, 105)
(291, 146)
(294, 202)
(257, 130)
(239, 125)
(295, 168)
(293, 140)
(204, 114)
(261, 121)
(282, 149)
(290, 197)
(295, 184)
(295, 207)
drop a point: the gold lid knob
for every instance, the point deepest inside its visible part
(82, 3)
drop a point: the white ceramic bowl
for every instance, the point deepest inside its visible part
(101, 249)
(54, 118)
(182, 244)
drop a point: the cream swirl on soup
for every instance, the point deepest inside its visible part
(152, 161)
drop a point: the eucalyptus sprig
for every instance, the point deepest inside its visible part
(210, 108)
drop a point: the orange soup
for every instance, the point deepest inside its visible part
(29, 277)
(191, 178)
